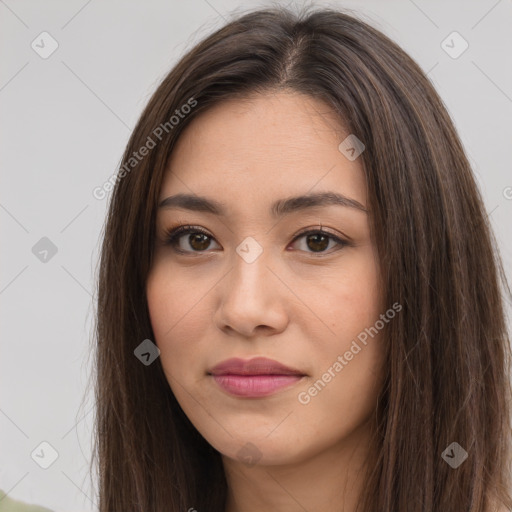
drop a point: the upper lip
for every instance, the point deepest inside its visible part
(255, 366)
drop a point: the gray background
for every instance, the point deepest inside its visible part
(65, 122)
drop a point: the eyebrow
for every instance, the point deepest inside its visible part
(279, 208)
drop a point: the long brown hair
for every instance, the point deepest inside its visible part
(447, 353)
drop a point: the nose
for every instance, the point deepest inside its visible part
(252, 300)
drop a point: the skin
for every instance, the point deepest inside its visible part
(292, 304)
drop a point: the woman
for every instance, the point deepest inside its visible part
(299, 292)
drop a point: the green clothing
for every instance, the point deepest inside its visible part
(7, 504)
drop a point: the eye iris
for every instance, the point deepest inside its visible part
(318, 245)
(203, 240)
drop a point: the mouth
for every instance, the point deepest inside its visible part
(254, 378)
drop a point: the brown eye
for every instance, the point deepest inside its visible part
(199, 241)
(189, 239)
(317, 241)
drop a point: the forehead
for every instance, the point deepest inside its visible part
(261, 149)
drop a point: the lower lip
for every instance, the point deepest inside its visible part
(254, 386)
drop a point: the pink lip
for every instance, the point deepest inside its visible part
(254, 378)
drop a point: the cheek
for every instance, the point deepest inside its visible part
(336, 403)
(348, 377)
(163, 305)
(172, 300)
(179, 316)
(348, 366)
(167, 305)
(352, 301)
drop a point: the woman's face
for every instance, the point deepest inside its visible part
(255, 286)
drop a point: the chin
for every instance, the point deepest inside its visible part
(261, 450)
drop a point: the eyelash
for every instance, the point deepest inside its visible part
(173, 235)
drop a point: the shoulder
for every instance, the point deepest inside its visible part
(8, 504)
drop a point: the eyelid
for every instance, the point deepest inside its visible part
(315, 229)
